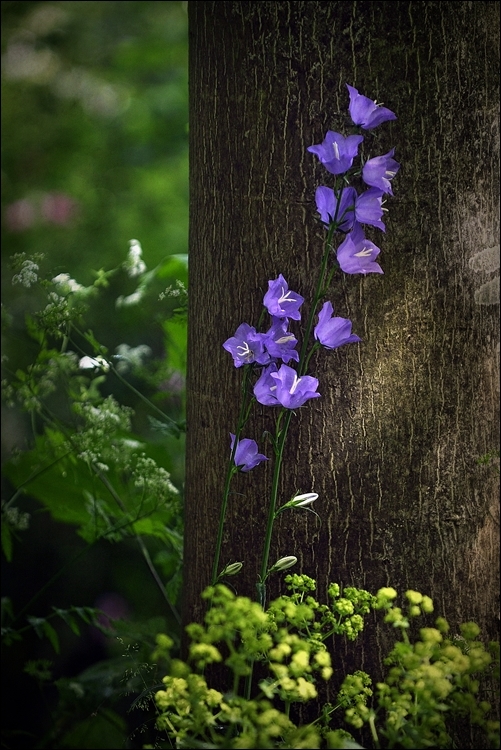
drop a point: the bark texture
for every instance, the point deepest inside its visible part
(392, 446)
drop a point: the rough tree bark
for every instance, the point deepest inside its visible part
(392, 446)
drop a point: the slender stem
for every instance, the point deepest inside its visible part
(281, 433)
(230, 471)
(280, 437)
(143, 398)
(303, 360)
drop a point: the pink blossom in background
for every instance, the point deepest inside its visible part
(20, 215)
(58, 208)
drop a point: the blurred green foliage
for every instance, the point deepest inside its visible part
(94, 154)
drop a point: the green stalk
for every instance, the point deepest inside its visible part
(280, 437)
(231, 470)
(281, 434)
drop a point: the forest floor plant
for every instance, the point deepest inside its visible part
(93, 467)
(430, 682)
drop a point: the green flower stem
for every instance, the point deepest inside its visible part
(281, 432)
(280, 437)
(143, 398)
(231, 470)
(303, 358)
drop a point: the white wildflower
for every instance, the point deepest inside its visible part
(134, 265)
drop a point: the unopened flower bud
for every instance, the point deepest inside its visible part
(284, 563)
(231, 569)
(300, 501)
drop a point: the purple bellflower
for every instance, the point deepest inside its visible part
(356, 254)
(246, 454)
(280, 342)
(337, 152)
(247, 346)
(280, 301)
(265, 387)
(369, 208)
(378, 172)
(366, 112)
(333, 332)
(327, 199)
(285, 387)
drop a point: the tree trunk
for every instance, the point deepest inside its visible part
(392, 446)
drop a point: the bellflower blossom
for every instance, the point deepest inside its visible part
(356, 254)
(247, 346)
(327, 199)
(246, 454)
(336, 152)
(366, 112)
(285, 387)
(378, 172)
(333, 332)
(280, 301)
(369, 208)
(280, 342)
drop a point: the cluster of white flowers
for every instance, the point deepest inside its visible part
(128, 356)
(93, 363)
(178, 290)
(67, 284)
(28, 274)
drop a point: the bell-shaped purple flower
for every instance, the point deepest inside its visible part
(285, 387)
(336, 152)
(247, 346)
(333, 332)
(366, 112)
(379, 171)
(246, 454)
(356, 254)
(280, 342)
(327, 200)
(369, 208)
(265, 388)
(280, 301)
(293, 391)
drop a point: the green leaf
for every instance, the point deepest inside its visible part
(51, 635)
(37, 624)
(65, 615)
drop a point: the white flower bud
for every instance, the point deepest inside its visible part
(300, 501)
(284, 563)
(231, 569)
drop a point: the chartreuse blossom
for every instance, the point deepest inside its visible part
(426, 682)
